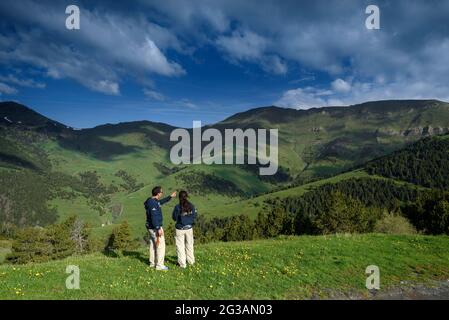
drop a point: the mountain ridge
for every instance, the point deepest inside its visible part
(370, 105)
(376, 105)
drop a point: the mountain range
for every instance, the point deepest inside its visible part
(105, 173)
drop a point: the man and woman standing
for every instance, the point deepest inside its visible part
(184, 215)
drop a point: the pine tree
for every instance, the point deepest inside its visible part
(120, 238)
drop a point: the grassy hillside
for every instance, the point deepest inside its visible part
(254, 205)
(282, 268)
(314, 144)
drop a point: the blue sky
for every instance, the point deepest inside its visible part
(179, 61)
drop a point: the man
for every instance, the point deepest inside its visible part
(154, 227)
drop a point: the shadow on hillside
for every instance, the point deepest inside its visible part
(16, 161)
(137, 255)
(110, 253)
(97, 147)
(96, 141)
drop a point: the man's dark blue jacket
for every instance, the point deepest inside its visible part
(154, 212)
(183, 220)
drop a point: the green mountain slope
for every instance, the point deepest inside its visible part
(323, 141)
(425, 163)
(314, 144)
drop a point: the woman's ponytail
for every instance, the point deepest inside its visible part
(186, 206)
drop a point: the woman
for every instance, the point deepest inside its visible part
(184, 216)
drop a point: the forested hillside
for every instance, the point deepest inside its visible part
(425, 163)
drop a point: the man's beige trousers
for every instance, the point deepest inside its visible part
(184, 247)
(157, 252)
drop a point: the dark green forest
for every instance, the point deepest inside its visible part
(424, 163)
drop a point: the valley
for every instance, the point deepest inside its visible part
(315, 146)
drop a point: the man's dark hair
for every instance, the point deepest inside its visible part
(156, 191)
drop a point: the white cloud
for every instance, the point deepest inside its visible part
(303, 98)
(400, 89)
(153, 94)
(245, 45)
(188, 104)
(341, 85)
(30, 83)
(333, 39)
(105, 86)
(274, 64)
(5, 89)
(155, 61)
(310, 97)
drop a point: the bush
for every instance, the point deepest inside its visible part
(209, 230)
(394, 224)
(31, 245)
(57, 241)
(239, 228)
(120, 238)
(276, 222)
(344, 214)
(7, 230)
(430, 213)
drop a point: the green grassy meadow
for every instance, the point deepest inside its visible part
(281, 268)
